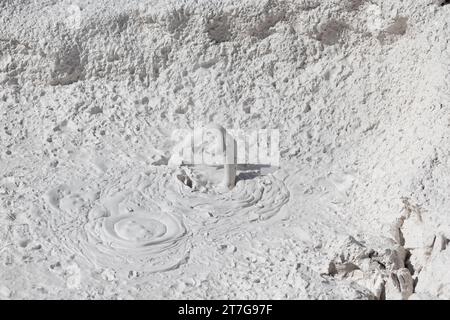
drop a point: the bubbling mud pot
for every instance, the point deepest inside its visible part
(254, 197)
(144, 222)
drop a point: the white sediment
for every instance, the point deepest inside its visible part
(95, 202)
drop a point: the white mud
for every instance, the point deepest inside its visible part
(91, 93)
